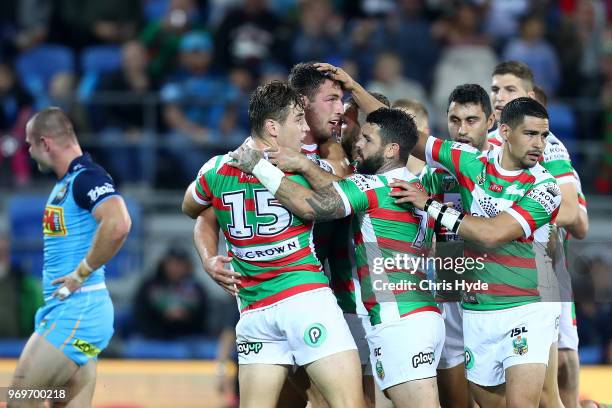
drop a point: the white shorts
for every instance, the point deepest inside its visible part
(298, 330)
(568, 331)
(453, 352)
(407, 349)
(360, 326)
(498, 339)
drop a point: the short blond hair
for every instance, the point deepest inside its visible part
(416, 109)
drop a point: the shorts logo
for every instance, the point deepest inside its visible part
(520, 345)
(380, 371)
(377, 352)
(315, 335)
(53, 221)
(423, 358)
(86, 348)
(469, 359)
(246, 348)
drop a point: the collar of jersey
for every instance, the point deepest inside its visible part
(400, 173)
(496, 153)
(79, 161)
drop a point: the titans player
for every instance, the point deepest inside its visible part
(85, 223)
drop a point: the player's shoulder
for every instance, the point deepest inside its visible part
(541, 175)
(214, 164)
(365, 182)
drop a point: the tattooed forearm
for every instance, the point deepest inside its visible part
(326, 203)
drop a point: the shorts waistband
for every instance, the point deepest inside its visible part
(89, 288)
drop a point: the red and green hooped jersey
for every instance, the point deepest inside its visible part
(335, 250)
(444, 187)
(271, 248)
(532, 197)
(382, 230)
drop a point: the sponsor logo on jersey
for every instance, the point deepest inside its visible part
(555, 152)
(545, 195)
(380, 371)
(99, 191)
(268, 252)
(315, 335)
(86, 348)
(365, 182)
(469, 359)
(53, 221)
(248, 347)
(496, 188)
(423, 358)
(520, 345)
(513, 189)
(449, 183)
(61, 195)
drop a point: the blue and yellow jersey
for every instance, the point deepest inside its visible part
(68, 222)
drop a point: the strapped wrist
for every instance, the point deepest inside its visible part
(269, 175)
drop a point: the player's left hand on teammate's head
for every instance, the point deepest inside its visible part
(245, 158)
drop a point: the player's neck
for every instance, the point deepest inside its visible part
(65, 158)
(391, 165)
(309, 139)
(262, 143)
(506, 162)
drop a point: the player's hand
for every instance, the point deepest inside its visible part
(226, 278)
(69, 284)
(337, 74)
(288, 159)
(408, 193)
(246, 158)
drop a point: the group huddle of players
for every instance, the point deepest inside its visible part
(324, 190)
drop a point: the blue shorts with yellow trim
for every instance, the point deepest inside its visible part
(80, 326)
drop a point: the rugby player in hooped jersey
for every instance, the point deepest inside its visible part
(404, 370)
(281, 277)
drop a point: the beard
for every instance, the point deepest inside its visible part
(371, 164)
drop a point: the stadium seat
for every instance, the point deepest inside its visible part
(154, 9)
(100, 59)
(36, 67)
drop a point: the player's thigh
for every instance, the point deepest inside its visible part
(453, 387)
(524, 383)
(81, 387)
(421, 393)
(338, 377)
(42, 364)
(493, 397)
(261, 384)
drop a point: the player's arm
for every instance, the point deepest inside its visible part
(580, 227)
(114, 223)
(323, 204)
(198, 196)
(318, 174)
(190, 206)
(568, 212)
(206, 239)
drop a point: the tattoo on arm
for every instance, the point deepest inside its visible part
(326, 203)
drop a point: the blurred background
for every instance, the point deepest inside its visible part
(156, 87)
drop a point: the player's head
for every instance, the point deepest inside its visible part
(276, 113)
(323, 99)
(469, 115)
(48, 134)
(540, 95)
(417, 110)
(524, 128)
(388, 136)
(352, 120)
(510, 80)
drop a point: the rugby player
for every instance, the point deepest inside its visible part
(84, 225)
(281, 277)
(405, 370)
(421, 117)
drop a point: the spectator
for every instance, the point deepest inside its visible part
(163, 38)
(388, 80)
(533, 49)
(129, 126)
(248, 35)
(319, 36)
(171, 304)
(20, 296)
(194, 102)
(79, 23)
(502, 18)
(15, 110)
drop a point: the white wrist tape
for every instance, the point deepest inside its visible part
(269, 175)
(86, 265)
(444, 215)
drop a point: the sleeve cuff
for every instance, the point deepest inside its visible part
(521, 220)
(345, 201)
(195, 196)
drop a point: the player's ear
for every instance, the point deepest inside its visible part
(392, 151)
(44, 141)
(490, 121)
(271, 127)
(504, 131)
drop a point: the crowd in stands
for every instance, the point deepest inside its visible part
(155, 86)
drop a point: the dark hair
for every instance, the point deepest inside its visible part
(540, 95)
(518, 69)
(471, 93)
(271, 101)
(306, 79)
(396, 126)
(515, 111)
(379, 97)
